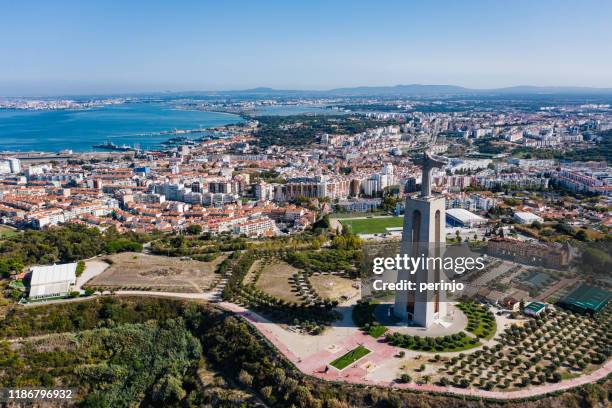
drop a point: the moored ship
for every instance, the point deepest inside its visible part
(112, 146)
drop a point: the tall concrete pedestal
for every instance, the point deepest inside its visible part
(424, 235)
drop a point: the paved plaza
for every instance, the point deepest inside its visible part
(454, 322)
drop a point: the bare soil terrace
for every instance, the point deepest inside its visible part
(135, 271)
(333, 287)
(275, 280)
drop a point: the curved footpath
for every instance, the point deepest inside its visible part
(316, 363)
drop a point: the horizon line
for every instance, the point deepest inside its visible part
(459, 88)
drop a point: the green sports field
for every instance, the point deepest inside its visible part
(375, 225)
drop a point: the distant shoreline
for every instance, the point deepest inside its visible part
(140, 125)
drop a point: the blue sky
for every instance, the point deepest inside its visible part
(55, 47)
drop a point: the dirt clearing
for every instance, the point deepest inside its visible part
(333, 287)
(135, 271)
(276, 278)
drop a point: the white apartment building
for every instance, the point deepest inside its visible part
(256, 227)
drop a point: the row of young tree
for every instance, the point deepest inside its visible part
(537, 352)
(198, 245)
(318, 314)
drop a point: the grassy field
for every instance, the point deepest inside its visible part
(274, 280)
(377, 331)
(251, 275)
(375, 225)
(6, 231)
(349, 358)
(130, 270)
(481, 322)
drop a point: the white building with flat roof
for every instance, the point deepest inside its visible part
(524, 217)
(460, 217)
(52, 280)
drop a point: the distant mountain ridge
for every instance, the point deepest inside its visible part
(426, 90)
(412, 89)
(406, 90)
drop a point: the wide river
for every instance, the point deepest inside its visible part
(79, 130)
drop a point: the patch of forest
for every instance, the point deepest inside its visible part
(68, 243)
(303, 130)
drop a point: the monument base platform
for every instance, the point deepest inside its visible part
(455, 322)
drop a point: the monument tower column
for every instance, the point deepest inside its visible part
(424, 235)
